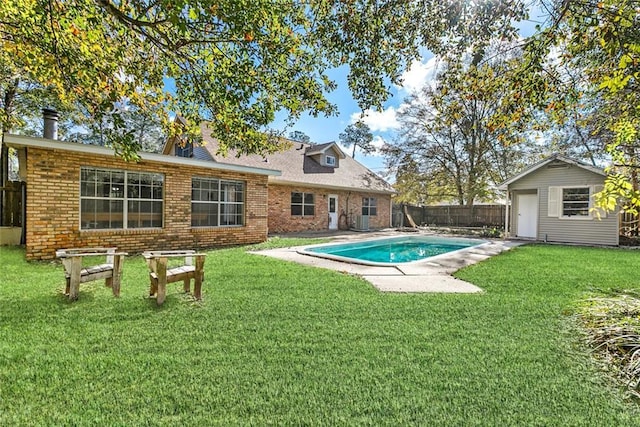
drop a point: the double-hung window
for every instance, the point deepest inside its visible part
(303, 204)
(369, 206)
(117, 199)
(217, 202)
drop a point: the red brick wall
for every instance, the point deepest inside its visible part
(53, 207)
(349, 204)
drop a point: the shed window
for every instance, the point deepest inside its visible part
(112, 199)
(302, 204)
(575, 202)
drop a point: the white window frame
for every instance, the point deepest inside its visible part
(221, 203)
(302, 204)
(330, 160)
(368, 206)
(125, 199)
(556, 203)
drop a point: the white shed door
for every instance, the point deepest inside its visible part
(528, 215)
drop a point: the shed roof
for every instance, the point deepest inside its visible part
(546, 161)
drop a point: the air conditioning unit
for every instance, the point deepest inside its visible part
(361, 222)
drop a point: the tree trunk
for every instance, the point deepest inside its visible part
(409, 218)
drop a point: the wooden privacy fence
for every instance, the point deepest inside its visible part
(11, 204)
(480, 216)
(629, 224)
(451, 216)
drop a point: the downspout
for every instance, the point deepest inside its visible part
(506, 216)
(346, 213)
(23, 231)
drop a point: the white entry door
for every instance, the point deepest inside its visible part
(333, 212)
(527, 216)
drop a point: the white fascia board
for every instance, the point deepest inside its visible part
(19, 141)
(329, 187)
(543, 162)
(333, 145)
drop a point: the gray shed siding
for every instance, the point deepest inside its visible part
(602, 231)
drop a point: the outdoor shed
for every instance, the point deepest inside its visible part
(81, 195)
(552, 201)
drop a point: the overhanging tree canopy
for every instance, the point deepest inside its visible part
(233, 62)
(237, 63)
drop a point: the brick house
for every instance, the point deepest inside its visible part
(319, 187)
(82, 195)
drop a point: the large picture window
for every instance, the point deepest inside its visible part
(575, 202)
(369, 206)
(216, 203)
(120, 199)
(303, 204)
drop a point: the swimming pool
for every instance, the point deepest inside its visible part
(391, 251)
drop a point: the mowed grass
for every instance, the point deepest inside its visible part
(276, 343)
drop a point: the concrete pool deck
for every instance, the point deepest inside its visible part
(429, 275)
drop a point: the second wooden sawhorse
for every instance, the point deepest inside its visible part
(160, 274)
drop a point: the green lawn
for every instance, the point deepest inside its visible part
(280, 343)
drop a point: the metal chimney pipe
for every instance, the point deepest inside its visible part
(50, 123)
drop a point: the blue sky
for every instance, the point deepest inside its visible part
(383, 125)
(324, 129)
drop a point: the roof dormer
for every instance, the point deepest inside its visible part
(328, 154)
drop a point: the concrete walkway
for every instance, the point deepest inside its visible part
(430, 275)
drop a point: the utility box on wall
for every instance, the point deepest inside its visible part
(361, 222)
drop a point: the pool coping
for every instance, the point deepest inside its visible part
(308, 250)
(429, 275)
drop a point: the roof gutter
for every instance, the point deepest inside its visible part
(19, 141)
(328, 187)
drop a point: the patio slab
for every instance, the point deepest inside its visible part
(431, 275)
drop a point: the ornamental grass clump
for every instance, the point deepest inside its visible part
(612, 324)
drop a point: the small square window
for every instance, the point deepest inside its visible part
(184, 149)
(331, 160)
(302, 204)
(369, 206)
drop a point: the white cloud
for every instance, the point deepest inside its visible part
(419, 75)
(378, 121)
(378, 142)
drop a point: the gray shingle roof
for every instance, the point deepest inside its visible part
(299, 168)
(547, 160)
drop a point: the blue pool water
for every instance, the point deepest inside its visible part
(392, 250)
